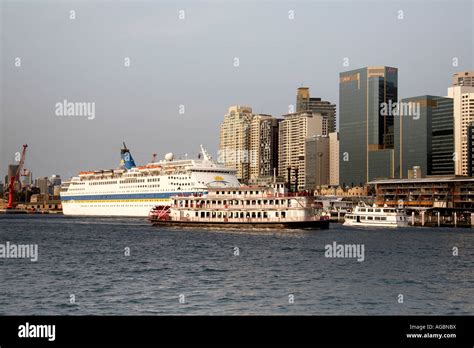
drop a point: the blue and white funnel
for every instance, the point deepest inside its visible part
(127, 161)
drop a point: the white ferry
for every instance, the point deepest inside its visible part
(133, 191)
(364, 215)
(244, 206)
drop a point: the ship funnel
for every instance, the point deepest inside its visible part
(127, 159)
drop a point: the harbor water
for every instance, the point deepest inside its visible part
(123, 266)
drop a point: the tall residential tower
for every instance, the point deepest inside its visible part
(293, 131)
(248, 142)
(463, 108)
(327, 110)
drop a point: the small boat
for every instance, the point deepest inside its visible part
(365, 215)
(246, 206)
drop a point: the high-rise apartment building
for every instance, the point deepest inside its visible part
(248, 142)
(366, 131)
(464, 78)
(424, 136)
(463, 109)
(293, 131)
(234, 147)
(304, 102)
(334, 159)
(264, 145)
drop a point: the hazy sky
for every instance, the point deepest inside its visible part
(190, 62)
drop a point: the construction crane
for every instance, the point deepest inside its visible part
(11, 185)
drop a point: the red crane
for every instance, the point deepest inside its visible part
(11, 185)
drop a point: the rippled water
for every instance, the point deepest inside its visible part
(86, 257)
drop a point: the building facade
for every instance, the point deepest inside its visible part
(425, 138)
(234, 145)
(463, 109)
(44, 185)
(304, 102)
(463, 78)
(366, 132)
(293, 131)
(334, 159)
(317, 155)
(451, 192)
(470, 149)
(249, 143)
(264, 143)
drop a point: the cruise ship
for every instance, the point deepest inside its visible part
(133, 190)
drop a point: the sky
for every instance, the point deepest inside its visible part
(50, 54)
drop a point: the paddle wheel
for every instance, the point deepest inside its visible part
(160, 212)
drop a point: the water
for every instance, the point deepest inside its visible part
(86, 257)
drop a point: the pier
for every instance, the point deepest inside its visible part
(441, 218)
(444, 201)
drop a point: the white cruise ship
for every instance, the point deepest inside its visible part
(133, 191)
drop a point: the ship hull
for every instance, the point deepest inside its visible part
(384, 225)
(123, 209)
(300, 225)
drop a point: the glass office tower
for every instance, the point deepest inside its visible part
(366, 132)
(425, 140)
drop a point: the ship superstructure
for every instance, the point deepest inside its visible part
(133, 190)
(242, 207)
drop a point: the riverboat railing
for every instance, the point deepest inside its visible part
(249, 220)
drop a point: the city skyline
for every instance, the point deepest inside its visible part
(219, 154)
(142, 104)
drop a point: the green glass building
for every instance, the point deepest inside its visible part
(426, 139)
(366, 132)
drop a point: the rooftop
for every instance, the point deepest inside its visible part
(423, 180)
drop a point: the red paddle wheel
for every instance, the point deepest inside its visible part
(160, 212)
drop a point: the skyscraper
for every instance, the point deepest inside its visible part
(334, 159)
(234, 146)
(264, 143)
(463, 108)
(327, 110)
(293, 131)
(317, 155)
(248, 142)
(366, 133)
(425, 140)
(464, 78)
